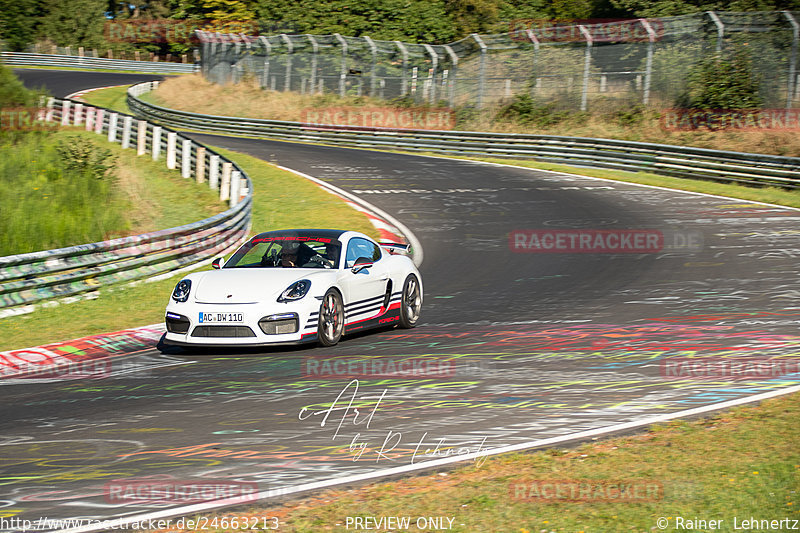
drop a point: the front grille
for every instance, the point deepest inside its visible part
(279, 324)
(223, 331)
(176, 323)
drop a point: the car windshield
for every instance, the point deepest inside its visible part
(287, 251)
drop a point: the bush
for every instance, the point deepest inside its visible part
(720, 82)
(524, 110)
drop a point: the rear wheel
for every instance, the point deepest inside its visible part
(410, 302)
(331, 318)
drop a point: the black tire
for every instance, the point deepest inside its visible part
(331, 318)
(410, 302)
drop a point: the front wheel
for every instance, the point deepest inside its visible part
(331, 318)
(410, 302)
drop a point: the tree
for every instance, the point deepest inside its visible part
(18, 22)
(74, 23)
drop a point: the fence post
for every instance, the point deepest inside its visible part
(155, 148)
(267, 48)
(434, 65)
(99, 115)
(343, 70)
(374, 64)
(200, 164)
(403, 81)
(213, 175)
(126, 131)
(587, 61)
(287, 85)
(225, 186)
(186, 158)
(790, 89)
(451, 79)
(113, 120)
(172, 138)
(482, 75)
(314, 52)
(141, 137)
(720, 29)
(535, 41)
(648, 71)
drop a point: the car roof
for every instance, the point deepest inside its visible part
(332, 234)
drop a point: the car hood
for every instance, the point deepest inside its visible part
(244, 286)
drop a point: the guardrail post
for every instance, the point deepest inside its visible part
(225, 186)
(141, 137)
(113, 120)
(200, 164)
(172, 138)
(90, 118)
(236, 178)
(78, 114)
(99, 117)
(155, 148)
(126, 131)
(213, 174)
(65, 113)
(51, 102)
(186, 158)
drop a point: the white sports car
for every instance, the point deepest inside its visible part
(296, 286)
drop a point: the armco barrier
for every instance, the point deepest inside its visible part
(31, 277)
(94, 63)
(669, 160)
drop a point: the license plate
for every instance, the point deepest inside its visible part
(221, 318)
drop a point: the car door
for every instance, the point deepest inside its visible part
(365, 289)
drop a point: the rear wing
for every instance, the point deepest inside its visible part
(396, 248)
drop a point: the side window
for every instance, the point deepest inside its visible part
(359, 247)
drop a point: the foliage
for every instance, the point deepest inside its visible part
(18, 22)
(524, 110)
(668, 8)
(720, 82)
(74, 23)
(12, 92)
(47, 202)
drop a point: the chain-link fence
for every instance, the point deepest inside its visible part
(606, 65)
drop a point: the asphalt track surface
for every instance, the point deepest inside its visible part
(544, 344)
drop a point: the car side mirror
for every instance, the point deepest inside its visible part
(218, 263)
(360, 264)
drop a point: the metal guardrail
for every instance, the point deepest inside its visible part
(93, 63)
(669, 160)
(31, 277)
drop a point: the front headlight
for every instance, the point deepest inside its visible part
(295, 291)
(181, 292)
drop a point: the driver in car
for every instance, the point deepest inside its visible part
(289, 255)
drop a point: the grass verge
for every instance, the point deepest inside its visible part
(114, 98)
(282, 200)
(740, 464)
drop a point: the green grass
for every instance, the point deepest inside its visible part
(50, 199)
(282, 200)
(114, 98)
(743, 463)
